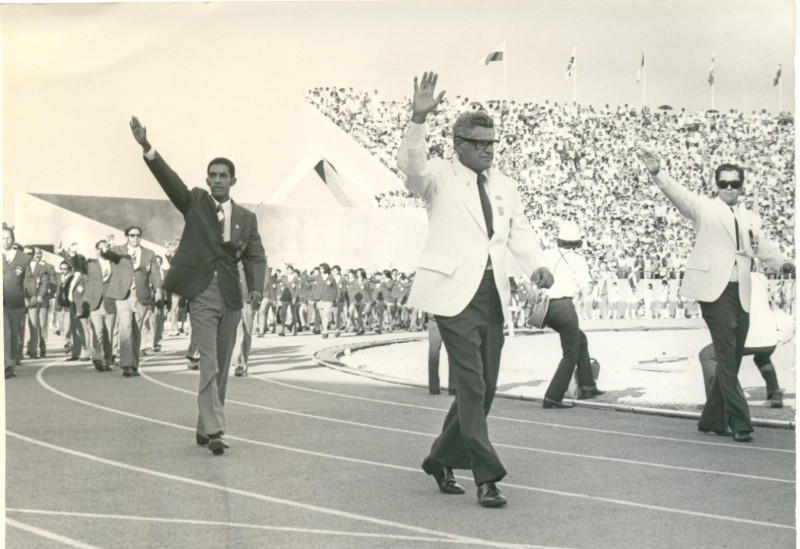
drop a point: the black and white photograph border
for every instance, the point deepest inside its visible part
(331, 410)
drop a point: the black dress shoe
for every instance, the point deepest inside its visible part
(443, 476)
(434, 391)
(720, 433)
(550, 403)
(217, 444)
(134, 372)
(126, 371)
(98, 365)
(73, 359)
(589, 392)
(239, 371)
(202, 440)
(489, 495)
(742, 436)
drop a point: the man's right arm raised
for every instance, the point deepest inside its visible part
(687, 202)
(172, 184)
(412, 158)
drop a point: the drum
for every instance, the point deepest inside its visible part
(541, 301)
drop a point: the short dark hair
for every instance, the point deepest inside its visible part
(132, 227)
(325, 268)
(471, 119)
(9, 229)
(225, 161)
(97, 244)
(729, 168)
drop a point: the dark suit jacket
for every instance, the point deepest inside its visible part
(37, 280)
(202, 251)
(147, 275)
(15, 278)
(95, 287)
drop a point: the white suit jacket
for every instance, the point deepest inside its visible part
(455, 255)
(709, 267)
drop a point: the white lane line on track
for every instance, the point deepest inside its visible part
(271, 499)
(342, 533)
(524, 421)
(407, 469)
(496, 444)
(49, 535)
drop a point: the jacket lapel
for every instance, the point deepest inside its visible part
(466, 186)
(237, 221)
(726, 215)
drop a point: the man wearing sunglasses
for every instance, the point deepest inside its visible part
(475, 218)
(727, 238)
(130, 283)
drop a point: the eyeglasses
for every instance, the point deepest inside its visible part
(480, 144)
(723, 184)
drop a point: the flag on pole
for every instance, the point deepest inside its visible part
(640, 71)
(711, 72)
(495, 55)
(571, 63)
(777, 79)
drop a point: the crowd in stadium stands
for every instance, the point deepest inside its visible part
(580, 163)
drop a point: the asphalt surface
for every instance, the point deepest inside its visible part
(323, 458)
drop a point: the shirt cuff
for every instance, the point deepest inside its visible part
(151, 154)
(415, 136)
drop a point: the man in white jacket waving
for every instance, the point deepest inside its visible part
(475, 216)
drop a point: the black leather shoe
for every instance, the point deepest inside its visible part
(126, 371)
(239, 371)
(489, 495)
(722, 433)
(434, 391)
(775, 400)
(443, 476)
(550, 403)
(202, 440)
(217, 444)
(134, 372)
(98, 365)
(742, 436)
(589, 392)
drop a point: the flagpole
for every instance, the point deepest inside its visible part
(575, 78)
(505, 75)
(644, 82)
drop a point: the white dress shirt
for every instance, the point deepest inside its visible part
(570, 273)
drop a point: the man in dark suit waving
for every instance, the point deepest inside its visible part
(218, 234)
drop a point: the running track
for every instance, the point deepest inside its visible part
(322, 458)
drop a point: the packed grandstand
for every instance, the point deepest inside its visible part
(580, 163)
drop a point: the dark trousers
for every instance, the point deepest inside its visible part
(762, 356)
(434, 350)
(728, 323)
(473, 339)
(561, 317)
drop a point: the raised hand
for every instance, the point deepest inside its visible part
(424, 100)
(140, 134)
(651, 161)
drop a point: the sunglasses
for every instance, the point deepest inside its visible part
(732, 184)
(480, 144)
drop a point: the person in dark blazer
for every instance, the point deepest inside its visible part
(100, 307)
(218, 235)
(35, 298)
(135, 284)
(15, 278)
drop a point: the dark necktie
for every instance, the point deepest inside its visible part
(736, 226)
(134, 256)
(221, 218)
(486, 206)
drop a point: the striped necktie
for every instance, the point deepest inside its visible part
(221, 219)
